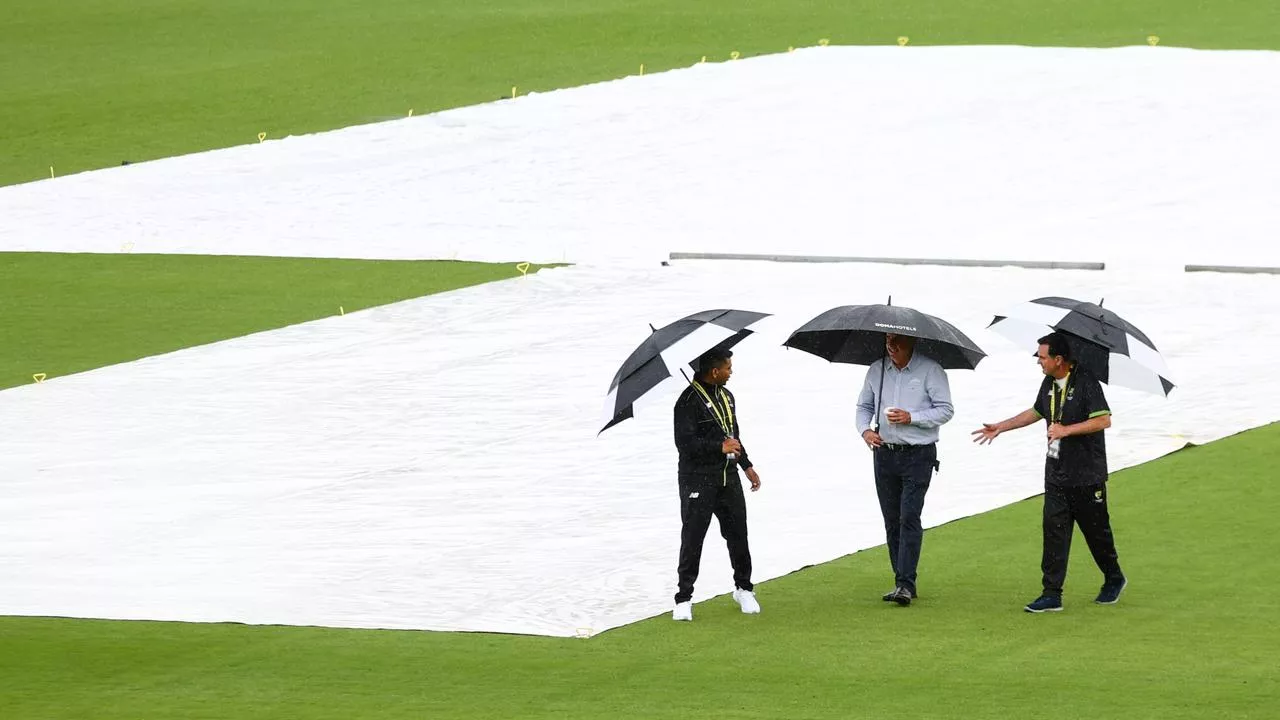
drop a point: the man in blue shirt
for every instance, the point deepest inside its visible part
(902, 404)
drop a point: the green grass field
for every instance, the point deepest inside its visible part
(1194, 636)
(65, 313)
(91, 83)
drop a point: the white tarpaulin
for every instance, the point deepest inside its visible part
(434, 464)
(992, 152)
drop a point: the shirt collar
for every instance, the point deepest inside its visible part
(710, 389)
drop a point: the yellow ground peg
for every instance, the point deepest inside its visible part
(791, 49)
(262, 136)
(824, 42)
(39, 377)
(410, 112)
(51, 172)
(584, 632)
(341, 311)
(1153, 40)
(523, 268)
(704, 58)
(903, 40)
(127, 247)
(642, 69)
(513, 92)
(734, 55)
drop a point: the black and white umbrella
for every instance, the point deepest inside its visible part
(1108, 346)
(668, 351)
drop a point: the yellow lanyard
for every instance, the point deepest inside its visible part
(725, 419)
(1057, 407)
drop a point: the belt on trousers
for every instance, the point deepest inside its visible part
(896, 447)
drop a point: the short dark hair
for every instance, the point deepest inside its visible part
(713, 358)
(1058, 345)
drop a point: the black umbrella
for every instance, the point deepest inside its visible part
(855, 334)
(1111, 348)
(668, 350)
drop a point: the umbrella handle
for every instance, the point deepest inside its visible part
(875, 420)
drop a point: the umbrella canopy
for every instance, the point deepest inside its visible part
(855, 334)
(667, 351)
(1108, 346)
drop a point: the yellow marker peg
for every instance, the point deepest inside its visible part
(824, 42)
(523, 268)
(704, 58)
(903, 40)
(262, 136)
(341, 311)
(127, 247)
(583, 632)
(1153, 40)
(791, 49)
(39, 377)
(642, 68)
(410, 112)
(513, 92)
(51, 171)
(734, 55)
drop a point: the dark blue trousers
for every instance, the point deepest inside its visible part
(902, 479)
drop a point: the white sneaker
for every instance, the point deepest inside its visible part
(683, 611)
(747, 601)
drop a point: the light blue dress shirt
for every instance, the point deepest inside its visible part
(920, 388)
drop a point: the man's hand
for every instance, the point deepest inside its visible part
(899, 416)
(730, 445)
(1057, 431)
(871, 438)
(754, 477)
(988, 433)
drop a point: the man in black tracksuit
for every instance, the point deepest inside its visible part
(706, 435)
(1072, 403)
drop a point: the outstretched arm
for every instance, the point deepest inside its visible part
(990, 431)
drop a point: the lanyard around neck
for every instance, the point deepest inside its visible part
(725, 419)
(1056, 406)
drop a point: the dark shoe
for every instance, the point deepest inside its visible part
(1045, 603)
(902, 596)
(1110, 592)
(889, 596)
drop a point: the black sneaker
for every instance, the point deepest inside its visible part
(1110, 592)
(902, 596)
(1045, 603)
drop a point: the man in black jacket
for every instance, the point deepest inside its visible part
(706, 432)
